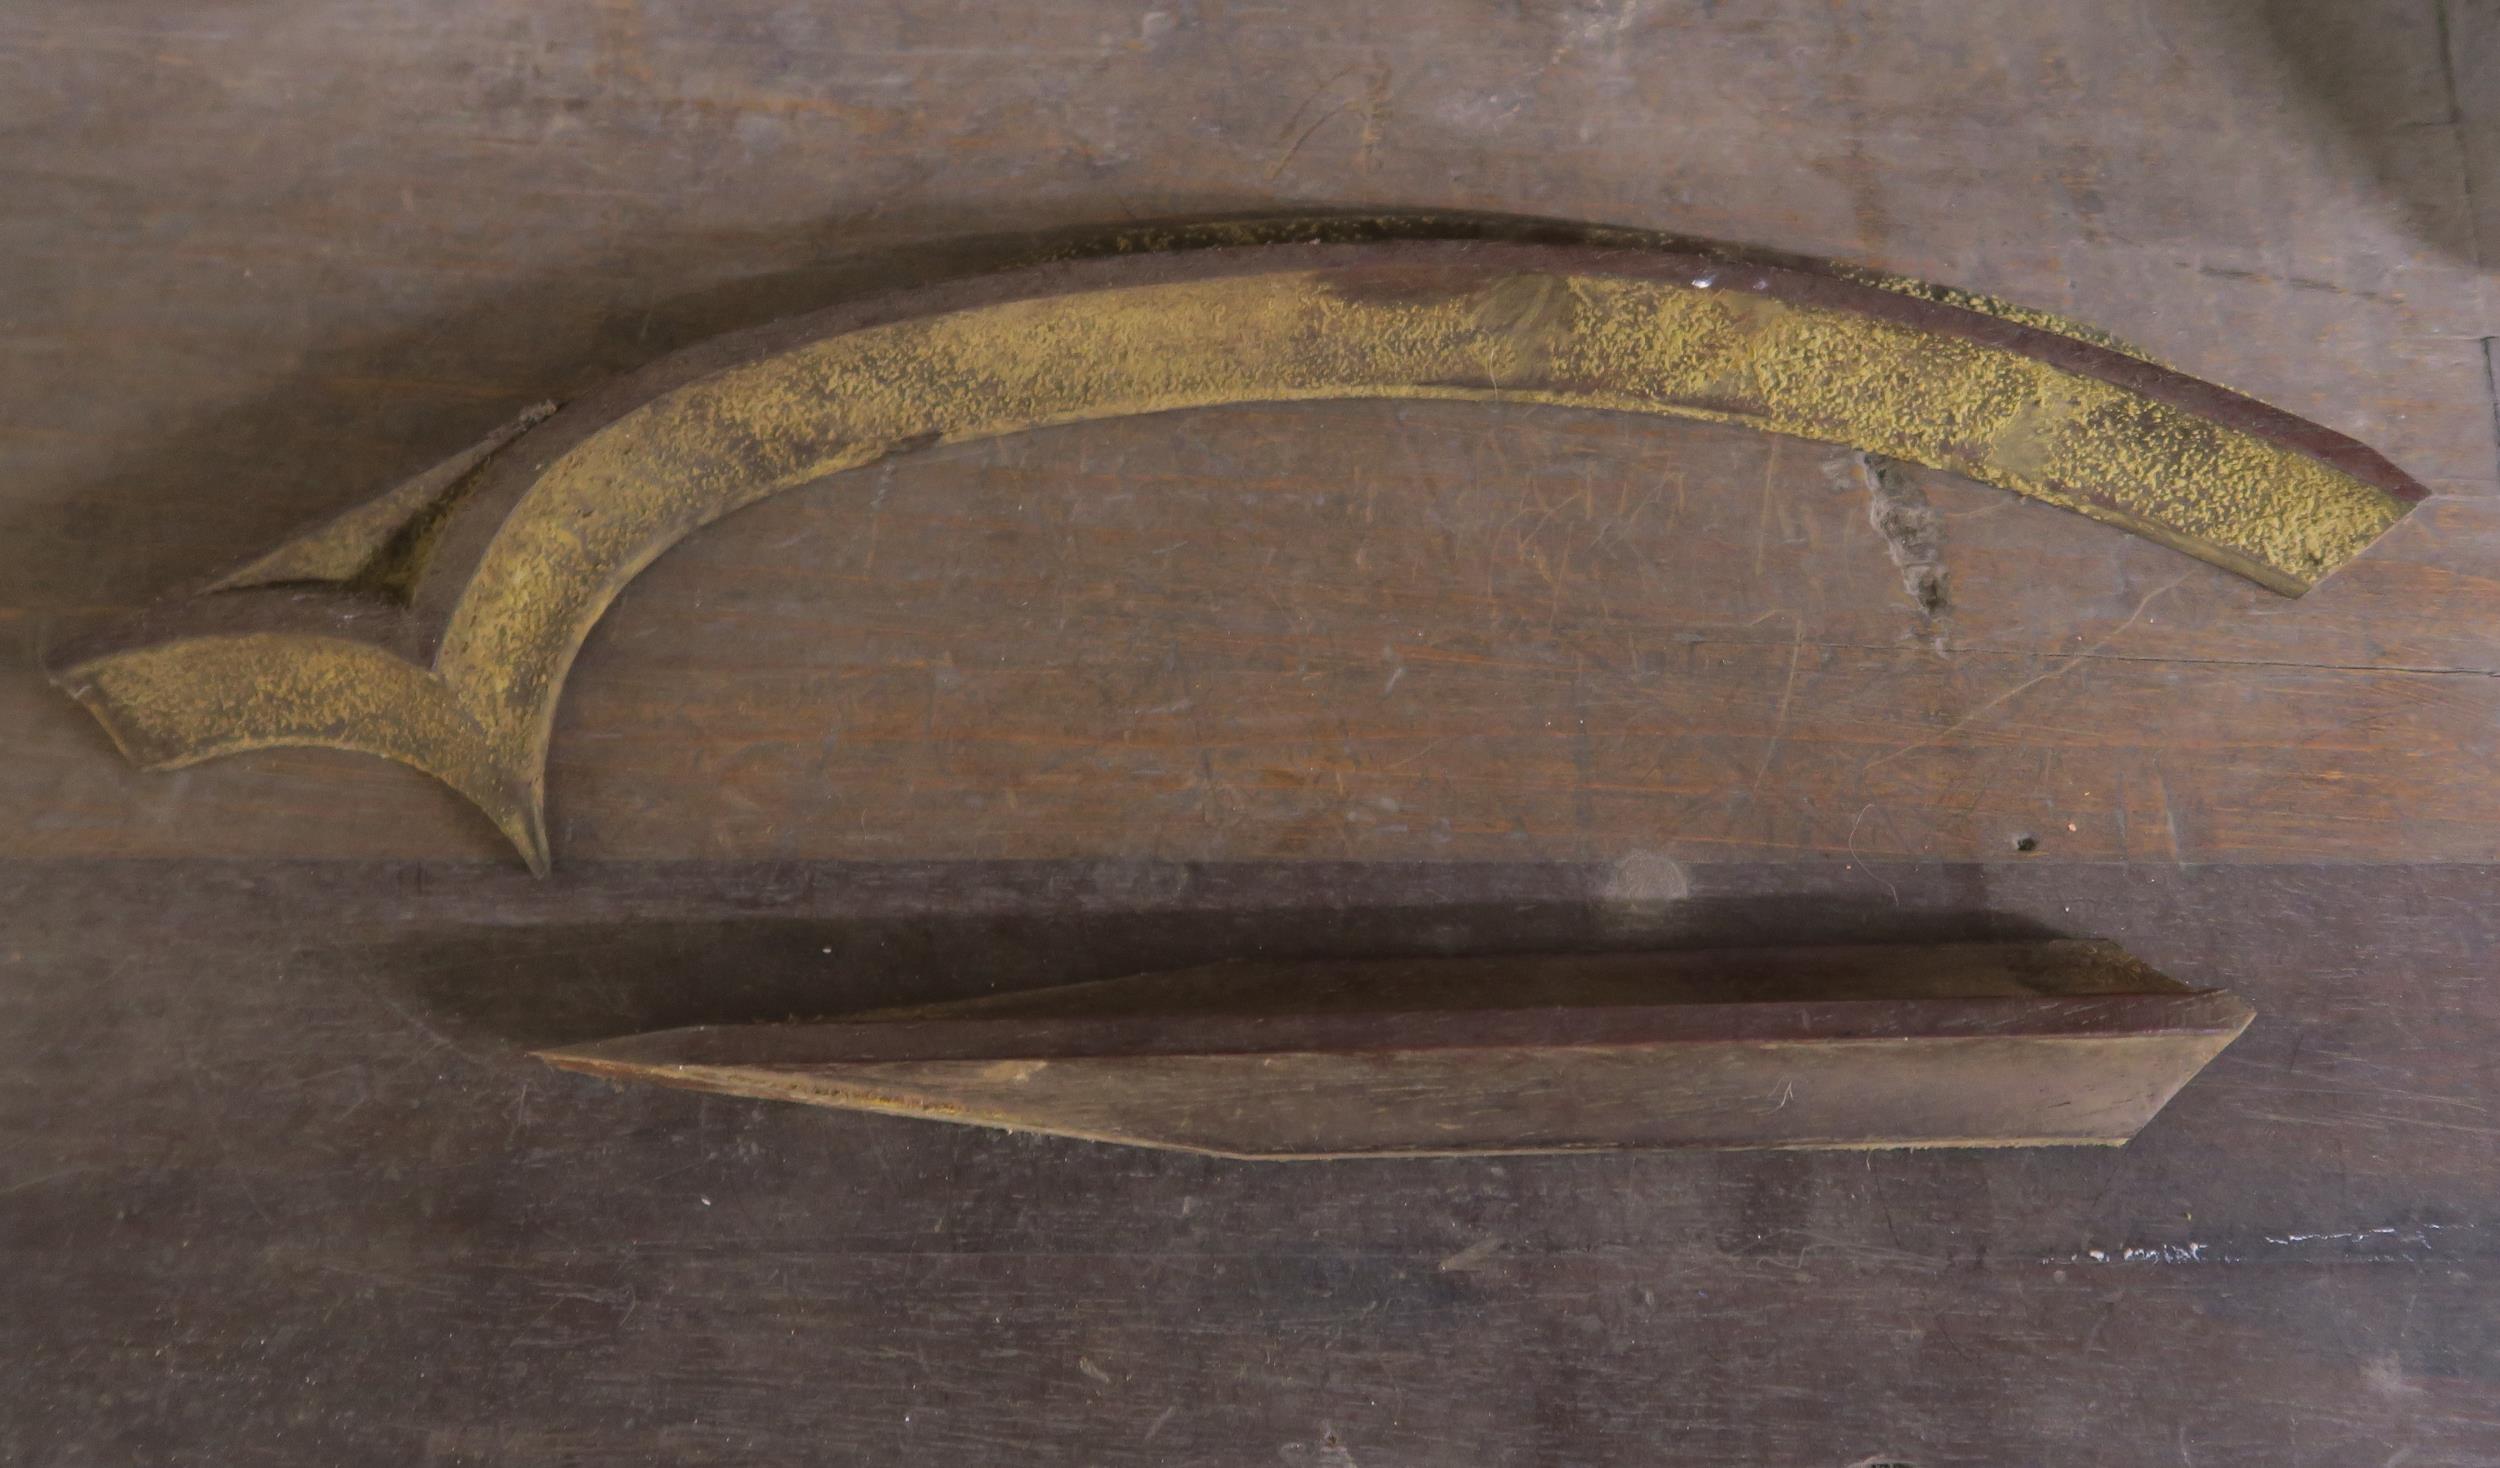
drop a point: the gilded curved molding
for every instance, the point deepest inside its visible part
(435, 625)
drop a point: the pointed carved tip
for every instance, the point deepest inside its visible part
(165, 697)
(529, 836)
(349, 635)
(582, 1058)
(127, 738)
(2027, 1046)
(645, 1056)
(614, 1060)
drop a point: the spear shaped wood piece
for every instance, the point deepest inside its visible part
(1957, 1045)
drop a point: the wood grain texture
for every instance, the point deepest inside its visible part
(436, 624)
(206, 353)
(292, 1188)
(275, 1182)
(1829, 1046)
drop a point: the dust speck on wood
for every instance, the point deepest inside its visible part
(1913, 531)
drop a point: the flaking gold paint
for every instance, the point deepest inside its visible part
(597, 515)
(181, 702)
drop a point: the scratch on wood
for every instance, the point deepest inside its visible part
(2065, 665)
(1788, 688)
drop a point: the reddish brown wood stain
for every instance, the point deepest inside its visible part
(280, 1185)
(1901, 1045)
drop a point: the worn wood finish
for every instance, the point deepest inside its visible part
(294, 1187)
(436, 624)
(277, 1182)
(513, 214)
(1952, 1045)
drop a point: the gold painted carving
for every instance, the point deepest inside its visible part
(435, 625)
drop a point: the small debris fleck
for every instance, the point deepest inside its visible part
(1912, 530)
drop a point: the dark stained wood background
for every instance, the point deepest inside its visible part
(277, 1184)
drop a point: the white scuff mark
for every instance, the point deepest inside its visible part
(1644, 877)
(2188, 1253)
(2418, 1234)
(2386, 1376)
(1641, 891)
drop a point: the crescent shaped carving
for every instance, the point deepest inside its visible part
(435, 624)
